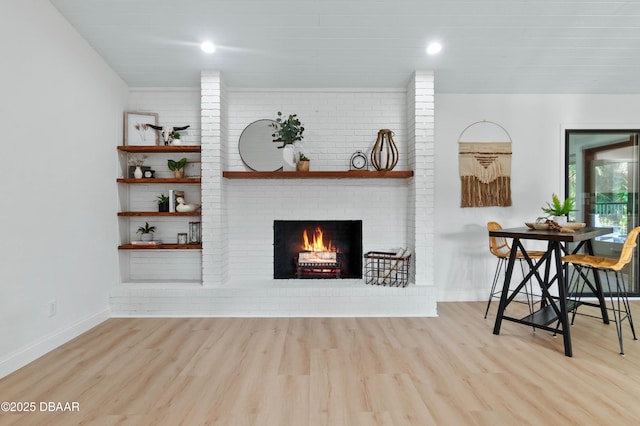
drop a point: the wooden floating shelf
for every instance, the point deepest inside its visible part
(160, 149)
(159, 180)
(131, 214)
(352, 174)
(160, 247)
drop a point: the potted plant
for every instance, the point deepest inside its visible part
(559, 210)
(146, 232)
(177, 167)
(163, 203)
(175, 138)
(303, 163)
(288, 131)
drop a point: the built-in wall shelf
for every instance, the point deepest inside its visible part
(351, 174)
(142, 214)
(160, 247)
(159, 149)
(159, 180)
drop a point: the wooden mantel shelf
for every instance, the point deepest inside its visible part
(352, 174)
(159, 148)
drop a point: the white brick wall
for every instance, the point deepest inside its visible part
(238, 215)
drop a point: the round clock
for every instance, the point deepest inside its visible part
(358, 161)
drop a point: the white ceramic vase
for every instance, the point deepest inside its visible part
(137, 173)
(289, 158)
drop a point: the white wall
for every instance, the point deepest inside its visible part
(61, 109)
(535, 123)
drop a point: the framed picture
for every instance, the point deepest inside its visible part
(137, 131)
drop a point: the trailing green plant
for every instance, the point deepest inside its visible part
(559, 208)
(162, 199)
(176, 165)
(146, 229)
(287, 130)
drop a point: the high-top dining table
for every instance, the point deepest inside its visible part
(553, 309)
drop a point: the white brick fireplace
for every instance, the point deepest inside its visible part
(238, 215)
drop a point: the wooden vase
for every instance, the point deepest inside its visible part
(384, 155)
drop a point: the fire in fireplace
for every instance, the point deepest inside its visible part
(317, 249)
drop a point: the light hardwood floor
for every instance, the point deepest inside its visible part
(449, 370)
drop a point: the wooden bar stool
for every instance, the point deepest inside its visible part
(584, 263)
(500, 248)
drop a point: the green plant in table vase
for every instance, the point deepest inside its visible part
(559, 209)
(288, 131)
(146, 232)
(177, 167)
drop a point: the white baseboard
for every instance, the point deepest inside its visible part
(35, 350)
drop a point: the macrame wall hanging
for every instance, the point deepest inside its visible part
(485, 165)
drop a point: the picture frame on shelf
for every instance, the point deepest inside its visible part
(136, 129)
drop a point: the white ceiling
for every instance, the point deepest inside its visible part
(490, 46)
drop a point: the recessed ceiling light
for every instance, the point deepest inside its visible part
(207, 47)
(434, 48)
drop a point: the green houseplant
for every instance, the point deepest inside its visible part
(163, 203)
(177, 167)
(558, 208)
(287, 130)
(175, 137)
(303, 163)
(146, 232)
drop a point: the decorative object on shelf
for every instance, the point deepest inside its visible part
(175, 138)
(138, 128)
(256, 147)
(182, 238)
(148, 173)
(173, 197)
(167, 133)
(177, 167)
(195, 233)
(136, 163)
(303, 163)
(485, 165)
(183, 207)
(287, 131)
(558, 210)
(384, 155)
(146, 232)
(289, 158)
(163, 203)
(358, 161)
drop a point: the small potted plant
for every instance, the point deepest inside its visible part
(287, 131)
(175, 138)
(163, 203)
(558, 209)
(177, 167)
(146, 232)
(303, 163)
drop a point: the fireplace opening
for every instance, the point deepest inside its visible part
(317, 249)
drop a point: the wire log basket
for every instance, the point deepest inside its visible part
(387, 268)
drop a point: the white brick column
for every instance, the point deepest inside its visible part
(420, 112)
(213, 213)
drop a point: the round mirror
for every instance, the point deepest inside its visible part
(257, 149)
